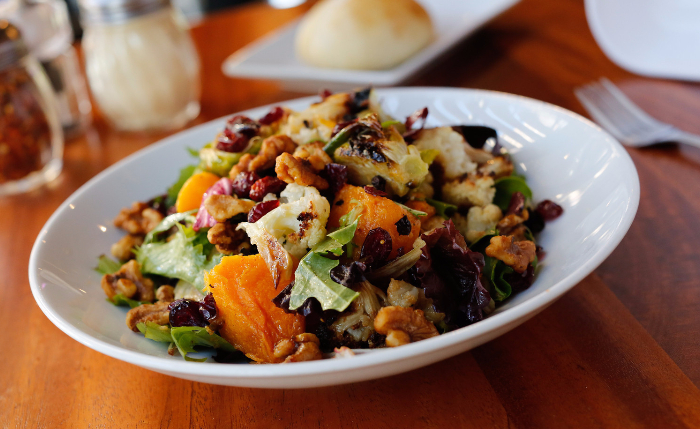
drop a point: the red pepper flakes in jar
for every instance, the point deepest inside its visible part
(25, 134)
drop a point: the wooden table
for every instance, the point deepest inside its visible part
(620, 350)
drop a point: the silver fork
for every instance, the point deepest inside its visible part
(625, 120)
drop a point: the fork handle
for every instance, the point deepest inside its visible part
(687, 138)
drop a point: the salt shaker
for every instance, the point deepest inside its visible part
(31, 138)
(141, 63)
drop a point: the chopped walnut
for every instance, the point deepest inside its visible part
(314, 154)
(223, 207)
(241, 166)
(272, 147)
(123, 249)
(512, 220)
(402, 294)
(138, 219)
(157, 313)
(129, 282)
(227, 239)
(165, 293)
(291, 169)
(403, 325)
(515, 254)
(303, 347)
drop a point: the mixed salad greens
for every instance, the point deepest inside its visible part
(330, 229)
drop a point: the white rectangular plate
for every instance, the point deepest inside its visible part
(273, 56)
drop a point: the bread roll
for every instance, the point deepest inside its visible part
(363, 34)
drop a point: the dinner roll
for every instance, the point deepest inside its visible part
(363, 34)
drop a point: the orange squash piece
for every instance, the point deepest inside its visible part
(190, 195)
(243, 290)
(377, 212)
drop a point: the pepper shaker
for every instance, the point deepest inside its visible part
(141, 63)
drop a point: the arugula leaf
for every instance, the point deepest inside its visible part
(185, 256)
(155, 332)
(107, 265)
(506, 187)
(121, 300)
(185, 174)
(414, 212)
(496, 269)
(337, 239)
(442, 209)
(312, 280)
(194, 152)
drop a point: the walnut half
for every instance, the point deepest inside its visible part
(515, 254)
(138, 219)
(301, 348)
(291, 169)
(129, 282)
(403, 325)
(158, 313)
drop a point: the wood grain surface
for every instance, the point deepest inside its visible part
(620, 350)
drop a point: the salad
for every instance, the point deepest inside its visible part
(304, 235)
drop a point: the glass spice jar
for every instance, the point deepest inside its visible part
(141, 63)
(31, 139)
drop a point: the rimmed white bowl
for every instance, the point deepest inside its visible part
(565, 158)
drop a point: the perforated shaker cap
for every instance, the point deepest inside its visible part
(115, 11)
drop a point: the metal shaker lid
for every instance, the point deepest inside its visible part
(12, 47)
(115, 11)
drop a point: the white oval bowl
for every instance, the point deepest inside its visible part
(565, 158)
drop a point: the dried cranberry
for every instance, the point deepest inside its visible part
(477, 135)
(517, 204)
(158, 204)
(261, 209)
(336, 175)
(239, 129)
(518, 281)
(274, 115)
(418, 116)
(325, 94)
(549, 210)
(535, 222)
(347, 275)
(377, 247)
(243, 182)
(266, 185)
(539, 251)
(188, 312)
(403, 226)
(374, 191)
(359, 101)
(379, 182)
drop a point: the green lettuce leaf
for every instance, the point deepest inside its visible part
(185, 174)
(155, 332)
(185, 338)
(220, 162)
(185, 256)
(506, 187)
(312, 280)
(107, 265)
(442, 209)
(496, 269)
(121, 300)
